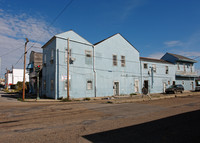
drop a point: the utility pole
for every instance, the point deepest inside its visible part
(68, 69)
(24, 69)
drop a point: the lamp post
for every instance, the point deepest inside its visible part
(24, 69)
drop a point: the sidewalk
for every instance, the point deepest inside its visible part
(122, 99)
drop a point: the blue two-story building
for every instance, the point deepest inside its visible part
(112, 66)
(185, 73)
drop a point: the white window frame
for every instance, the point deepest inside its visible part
(123, 61)
(114, 60)
(89, 85)
(154, 68)
(145, 67)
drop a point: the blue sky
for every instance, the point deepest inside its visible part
(154, 27)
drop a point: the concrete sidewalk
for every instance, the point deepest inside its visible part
(122, 99)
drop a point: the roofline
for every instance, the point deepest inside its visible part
(113, 36)
(184, 60)
(156, 60)
(47, 43)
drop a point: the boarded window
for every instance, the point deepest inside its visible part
(114, 60)
(154, 68)
(123, 61)
(52, 85)
(88, 57)
(166, 69)
(44, 85)
(145, 65)
(89, 85)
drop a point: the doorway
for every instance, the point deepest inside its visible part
(164, 87)
(192, 85)
(146, 84)
(136, 85)
(116, 88)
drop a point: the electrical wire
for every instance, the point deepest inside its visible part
(54, 20)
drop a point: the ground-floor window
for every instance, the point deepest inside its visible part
(89, 85)
(44, 85)
(52, 85)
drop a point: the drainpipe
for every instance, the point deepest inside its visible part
(141, 74)
(94, 73)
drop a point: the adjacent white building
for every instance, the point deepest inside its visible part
(14, 76)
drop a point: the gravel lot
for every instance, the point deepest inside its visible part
(167, 120)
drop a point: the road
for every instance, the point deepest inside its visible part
(168, 120)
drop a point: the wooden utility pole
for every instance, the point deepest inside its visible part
(68, 69)
(24, 69)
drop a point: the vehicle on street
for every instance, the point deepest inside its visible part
(197, 88)
(175, 89)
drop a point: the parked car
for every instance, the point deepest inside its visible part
(175, 89)
(197, 88)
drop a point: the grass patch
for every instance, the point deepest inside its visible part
(66, 100)
(86, 99)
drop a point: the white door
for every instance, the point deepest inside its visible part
(116, 88)
(136, 85)
(164, 87)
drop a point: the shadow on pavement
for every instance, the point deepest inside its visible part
(18, 95)
(182, 128)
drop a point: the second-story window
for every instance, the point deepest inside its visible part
(154, 68)
(191, 67)
(88, 57)
(123, 61)
(145, 65)
(166, 70)
(52, 54)
(184, 67)
(114, 60)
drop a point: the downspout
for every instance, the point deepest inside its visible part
(141, 75)
(95, 93)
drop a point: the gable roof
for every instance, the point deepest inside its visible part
(66, 35)
(182, 58)
(113, 36)
(154, 60)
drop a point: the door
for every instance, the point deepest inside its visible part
(164, 87)
(116, 88)
(146, 84)
(192, 85)
(136, 85)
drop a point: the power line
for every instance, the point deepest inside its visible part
(54, 20)
(10, 51)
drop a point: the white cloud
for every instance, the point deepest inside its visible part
(173, 43)
(13, 31)
(130, 6)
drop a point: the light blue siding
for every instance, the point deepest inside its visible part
(157, 79)
(107, 73)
